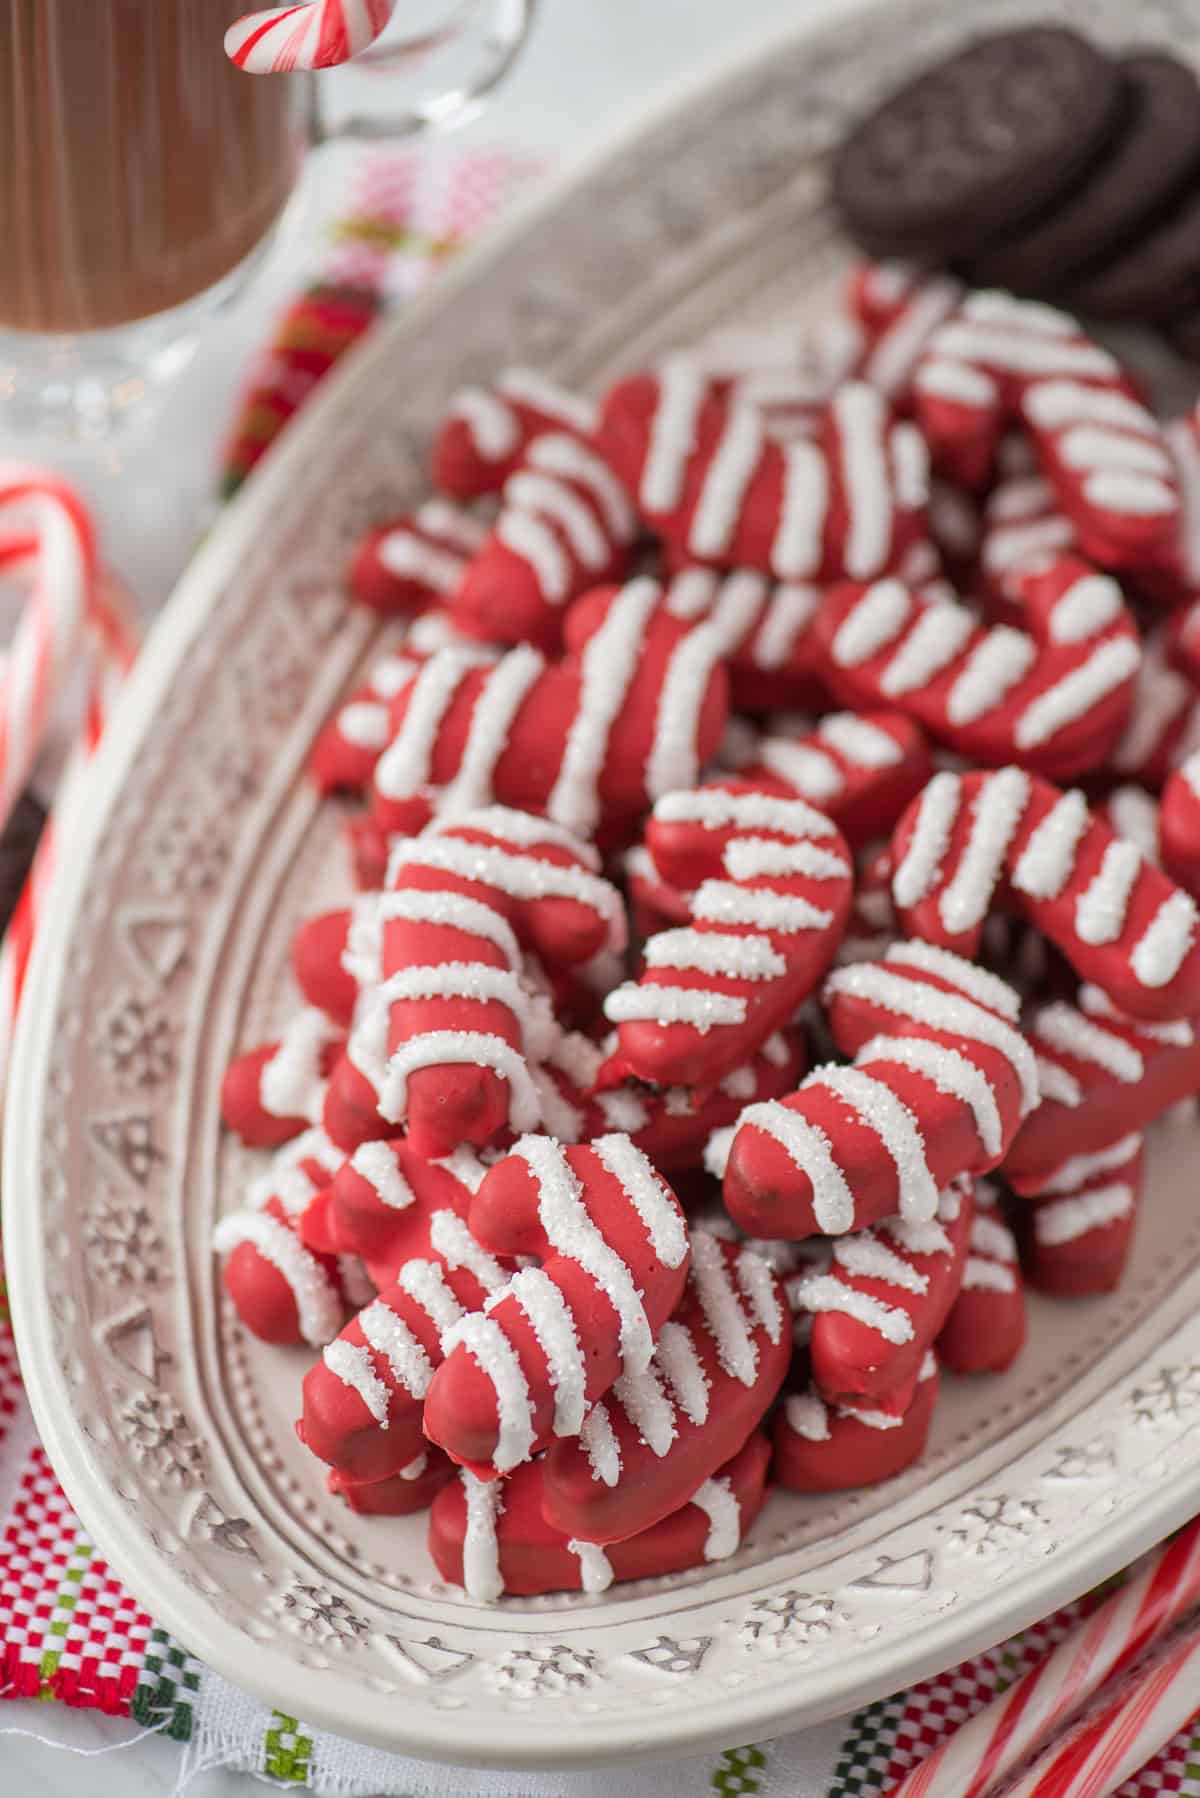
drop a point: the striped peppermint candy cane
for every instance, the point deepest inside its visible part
(988, 1748)
(318, 34)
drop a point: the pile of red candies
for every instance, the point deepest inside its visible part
(629, 1141)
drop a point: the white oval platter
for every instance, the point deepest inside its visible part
(166, 949)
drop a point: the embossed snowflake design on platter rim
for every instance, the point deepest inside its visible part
(167, 946)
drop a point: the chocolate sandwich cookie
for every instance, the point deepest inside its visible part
(979, 145)
(1146, 169)
(1153, 279)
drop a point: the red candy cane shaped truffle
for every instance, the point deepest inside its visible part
(614, 1257)
(635, 710)
(772, 882)
(363, 1399)
(271, 1093)
(976, 842)
(492, 1537)
(1023, 524)
(899, 308)
(1102, 1076)
(444, 1043)
(487, 430)
(416, 560)
(860, 768)
(720, 492)
(940, 1079)
(345, 753)
(565, 524)
(1000, 359)
(1053, 695)
(718, 1364)
(1078, 1237)
(879, 1308)
(282, 1290)
(821, 1447)
(378, 1203)
(984, 1331)
(1179, 824)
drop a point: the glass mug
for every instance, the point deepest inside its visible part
(141, 174)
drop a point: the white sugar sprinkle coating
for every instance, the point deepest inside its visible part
(646, 1405)
(452, 911)
(715, 952)
(945, 378)
(507, 687)
(761, 858)
(1052, 404)
(876, 1106)
(678, 1360)
(825, 1292)
(376, 1163)
(692, 592)
(425, 1281)
(940, 1011)
(624, 1111)
(288, 1180)
(984, 987)
(485, 1341)
(808, 1415)
(1088, 607)
(1057, 1084)
(471, 1048)
(870, 1258)
(1066, 1220)
(988, 1276)
(1078, 1169)
(1133, 814)
(873, 1420)
(715, 809)
(873, 622)
(1180, 1033)
(729, 473)
(1061, 1027)
(719, 1504)
(647, 1194)
(681, 393)
(558, 454)
(716, 1150)
(1108, 666)
(775, 1050)
(858, 414)
(474, 980)
(1103, 906)
(699, 1007)
(441, 518)
(951, 1073)
(804, 767)
(937, 810)
(723, 1313)
(530, 386)
(405, 1357)
(365, 725)
(554, 1330)
(482, 1578)
(534, 540)
(738, 1083)
(1047, 862)
(523, 830)
(722, 902)
(404, 767)
(1124, 490)
(595, 1569)
(519, 876)
(467, 1165)
(318, 1302)
(938, 635)
(859, 740)
(352, 1365)
(757, 1283)
(607, 668)
(996, 814)
(998, 662)
(790, 609)
(798, 545)
(811, 1152)
(401, 552)
(672, 762)
(451, 1238)
(493, 426)
(290, 1084)
(599, 1443)
(1160, 951)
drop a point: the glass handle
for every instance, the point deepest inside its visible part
(501, 36)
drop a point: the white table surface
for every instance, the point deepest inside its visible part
(591, 66)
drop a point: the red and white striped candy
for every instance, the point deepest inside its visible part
(1163, 728)
(313, 34)
(1078, 1238)
(614, 1254)
(1179, 824)
(1000, 359)
(487, 430)
(898, 308)
(984, 1330)
(860, 768)
(1103, 1076)
(344, 755)
(1023, 524)
(819, 1447)
(284, 1291)
(565, 525)
(722, 493)
(1009, 840)
(634, 710)
(940, 1079)
(771, 881)
(492, 1537)
(445, 1041)
(645, 1448)
(765, 630)
(271, 1093)
(412, 562)
(1054, 695)
(879, 1308)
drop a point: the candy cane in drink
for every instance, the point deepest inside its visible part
(317, 34)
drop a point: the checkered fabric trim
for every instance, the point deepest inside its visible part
(867, 1751)
(168, 1682)
(1176, 1769)
(738, 1771)
(287, 1751)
